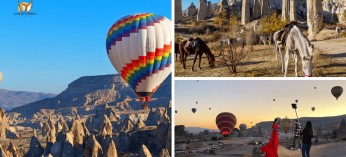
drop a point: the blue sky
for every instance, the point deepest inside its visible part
(186, 3)
(252, 100)
(64, 41)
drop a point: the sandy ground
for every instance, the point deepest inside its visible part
(334, 149)
(329, 61)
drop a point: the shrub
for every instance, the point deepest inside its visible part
(271, 24)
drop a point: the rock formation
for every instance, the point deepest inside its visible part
(144, 152)
(191, 10)
(92, 147)
(245, 12)
(12, 150)
(139, 124)
(224, 6)
(178, 11)
(202, 10)
(314, 17)
(285, 10)
(107, 127)
(342, 129)
(35, 149)
(264, 8)
(164, 153)
(110, 148)
(3, 123)
(45, 129)
(2, 152)
(209, 9)
(293, 12)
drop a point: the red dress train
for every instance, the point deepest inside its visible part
(271, 149)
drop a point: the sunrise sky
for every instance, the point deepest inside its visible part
(252, 100)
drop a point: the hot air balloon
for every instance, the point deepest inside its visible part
(242, 127)
(286, 124)
(313, 108)
(193, 110)
(209, 108)
(176, 111)
(337, 91)
(315, 87)
(196, 102)
(0, 76)
(296, 100)
(139, 48)
(226, 121)
(273, 99)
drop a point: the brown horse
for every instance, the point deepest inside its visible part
(197, 47)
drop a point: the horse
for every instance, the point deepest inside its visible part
(176, 51)
(338, 31)
(278, 47)
(198, 47)
(231, 42)
(296, 42)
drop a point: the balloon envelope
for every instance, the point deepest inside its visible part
(337, 91)
(193, 110)
(226, 121)
(139, 48)
(296, 100)
(313, 108)
(0, 76)
(176, 111)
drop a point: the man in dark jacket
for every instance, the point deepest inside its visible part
(297, 134)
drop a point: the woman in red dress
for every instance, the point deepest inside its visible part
(271, 149)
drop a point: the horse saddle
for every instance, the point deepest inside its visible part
(282, 36)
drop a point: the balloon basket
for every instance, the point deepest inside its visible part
(145, 106)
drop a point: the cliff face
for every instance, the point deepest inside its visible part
(89, 92)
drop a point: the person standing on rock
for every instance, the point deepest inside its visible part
(296, 135)
(307, 134)
(271, 149)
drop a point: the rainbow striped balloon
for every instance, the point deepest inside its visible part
(226, 121)
(140, 48)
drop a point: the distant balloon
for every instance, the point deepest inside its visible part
(176, 111)
(251, 122)
(273, 99)
(313, 108)
(337, 91)
(209, 108)
(196, 102)
(296, 100)
(315, 87)
(193, 110)
(0, 76)
(226, 121)
(286, 124)
(242, 127)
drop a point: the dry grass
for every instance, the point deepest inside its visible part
(261, 63)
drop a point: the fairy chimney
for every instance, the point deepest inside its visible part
(256, 10)
(3, 123)
(245, 12)
(144, 152)
(178, 11)
(314, 17)
(285, 10)
(202, 10)
(293, 12)
(191, 10)
(264, 8)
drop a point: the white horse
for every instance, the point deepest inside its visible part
(231, 42)
(338, 31)
(278, 47)
(297, 43)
